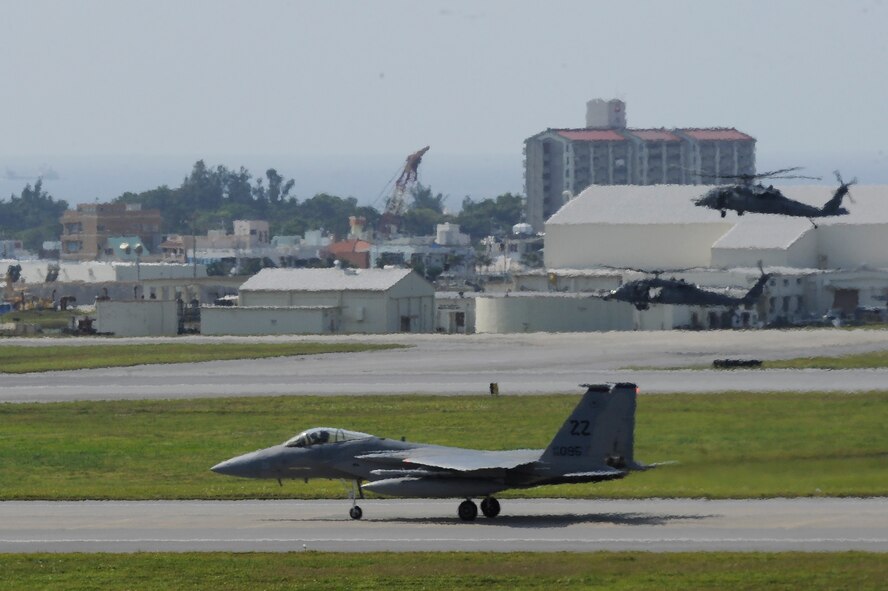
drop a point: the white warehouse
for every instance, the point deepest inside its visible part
(841, 264)
(326, 301)
(659, 226)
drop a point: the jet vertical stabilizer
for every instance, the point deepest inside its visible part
(599, 434)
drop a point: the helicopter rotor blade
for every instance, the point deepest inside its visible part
(778, 172)
(843, 184)
(781, 173)
(797, 176)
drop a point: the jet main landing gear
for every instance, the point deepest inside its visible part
(490, 507)
(468, 510)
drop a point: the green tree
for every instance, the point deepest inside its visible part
(328, 212)
(237, 187)
(278, 189)
(422, 222)
(490, 216)
(32, 217)
(203, 188)
(424, 198)
(426, 211)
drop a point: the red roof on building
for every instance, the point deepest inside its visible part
(717, 134)
(591, 135)
(655, 135)
(353, 245)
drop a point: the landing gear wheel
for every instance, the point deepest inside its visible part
(468, 510)
(490, 507)
(724, 213)
(355, 512)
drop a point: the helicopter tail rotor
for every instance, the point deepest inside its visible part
(845, 187)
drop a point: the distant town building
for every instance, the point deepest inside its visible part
(13, 249)
(86, 230)
(250, 240)
(354, 251)
(448, 251)
(560, 163)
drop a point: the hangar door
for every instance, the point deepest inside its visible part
(846, 300)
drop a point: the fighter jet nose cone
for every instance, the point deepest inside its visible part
(257, 464)
(222, 467)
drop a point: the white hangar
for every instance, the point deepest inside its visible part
(326, 301)
(603, 236)
(658, 226)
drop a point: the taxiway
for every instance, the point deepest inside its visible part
(658, 525)
(452, 364)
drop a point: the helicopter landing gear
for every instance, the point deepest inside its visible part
(468, 510)
(490, 507)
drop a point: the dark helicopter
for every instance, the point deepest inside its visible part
(641, 293)
(757, 198)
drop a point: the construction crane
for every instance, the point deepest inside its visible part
(396, 204)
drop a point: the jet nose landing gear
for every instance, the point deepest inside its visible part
(355, 512)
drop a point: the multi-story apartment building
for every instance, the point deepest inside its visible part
(559, 163)
(86, 230)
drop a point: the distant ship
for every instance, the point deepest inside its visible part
(46, 173)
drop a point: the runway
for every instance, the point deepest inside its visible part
(549, 525)
(440, 364)
(447, 364)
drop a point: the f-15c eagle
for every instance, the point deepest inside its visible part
(594, 444)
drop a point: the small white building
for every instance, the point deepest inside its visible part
(455, 312)
(43, 271)
(583, 312)
(137, 318)
(327, 301)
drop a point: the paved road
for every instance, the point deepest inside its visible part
(521, 364)
(660, 525)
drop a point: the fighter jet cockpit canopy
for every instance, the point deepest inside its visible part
(322, 435)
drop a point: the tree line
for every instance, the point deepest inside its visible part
(213, 197)
(32, 217)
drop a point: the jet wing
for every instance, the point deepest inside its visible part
(453, 458)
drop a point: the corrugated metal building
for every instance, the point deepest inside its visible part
(312, 301)
(657, 226)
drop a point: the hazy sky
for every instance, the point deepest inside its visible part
(476, 77)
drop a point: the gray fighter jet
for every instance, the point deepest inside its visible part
(594, 444)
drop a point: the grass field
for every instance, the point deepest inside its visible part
(859, 361)
(873, 360)
(727, 445)
(51, 319)
(433, 571)
(17, 359)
